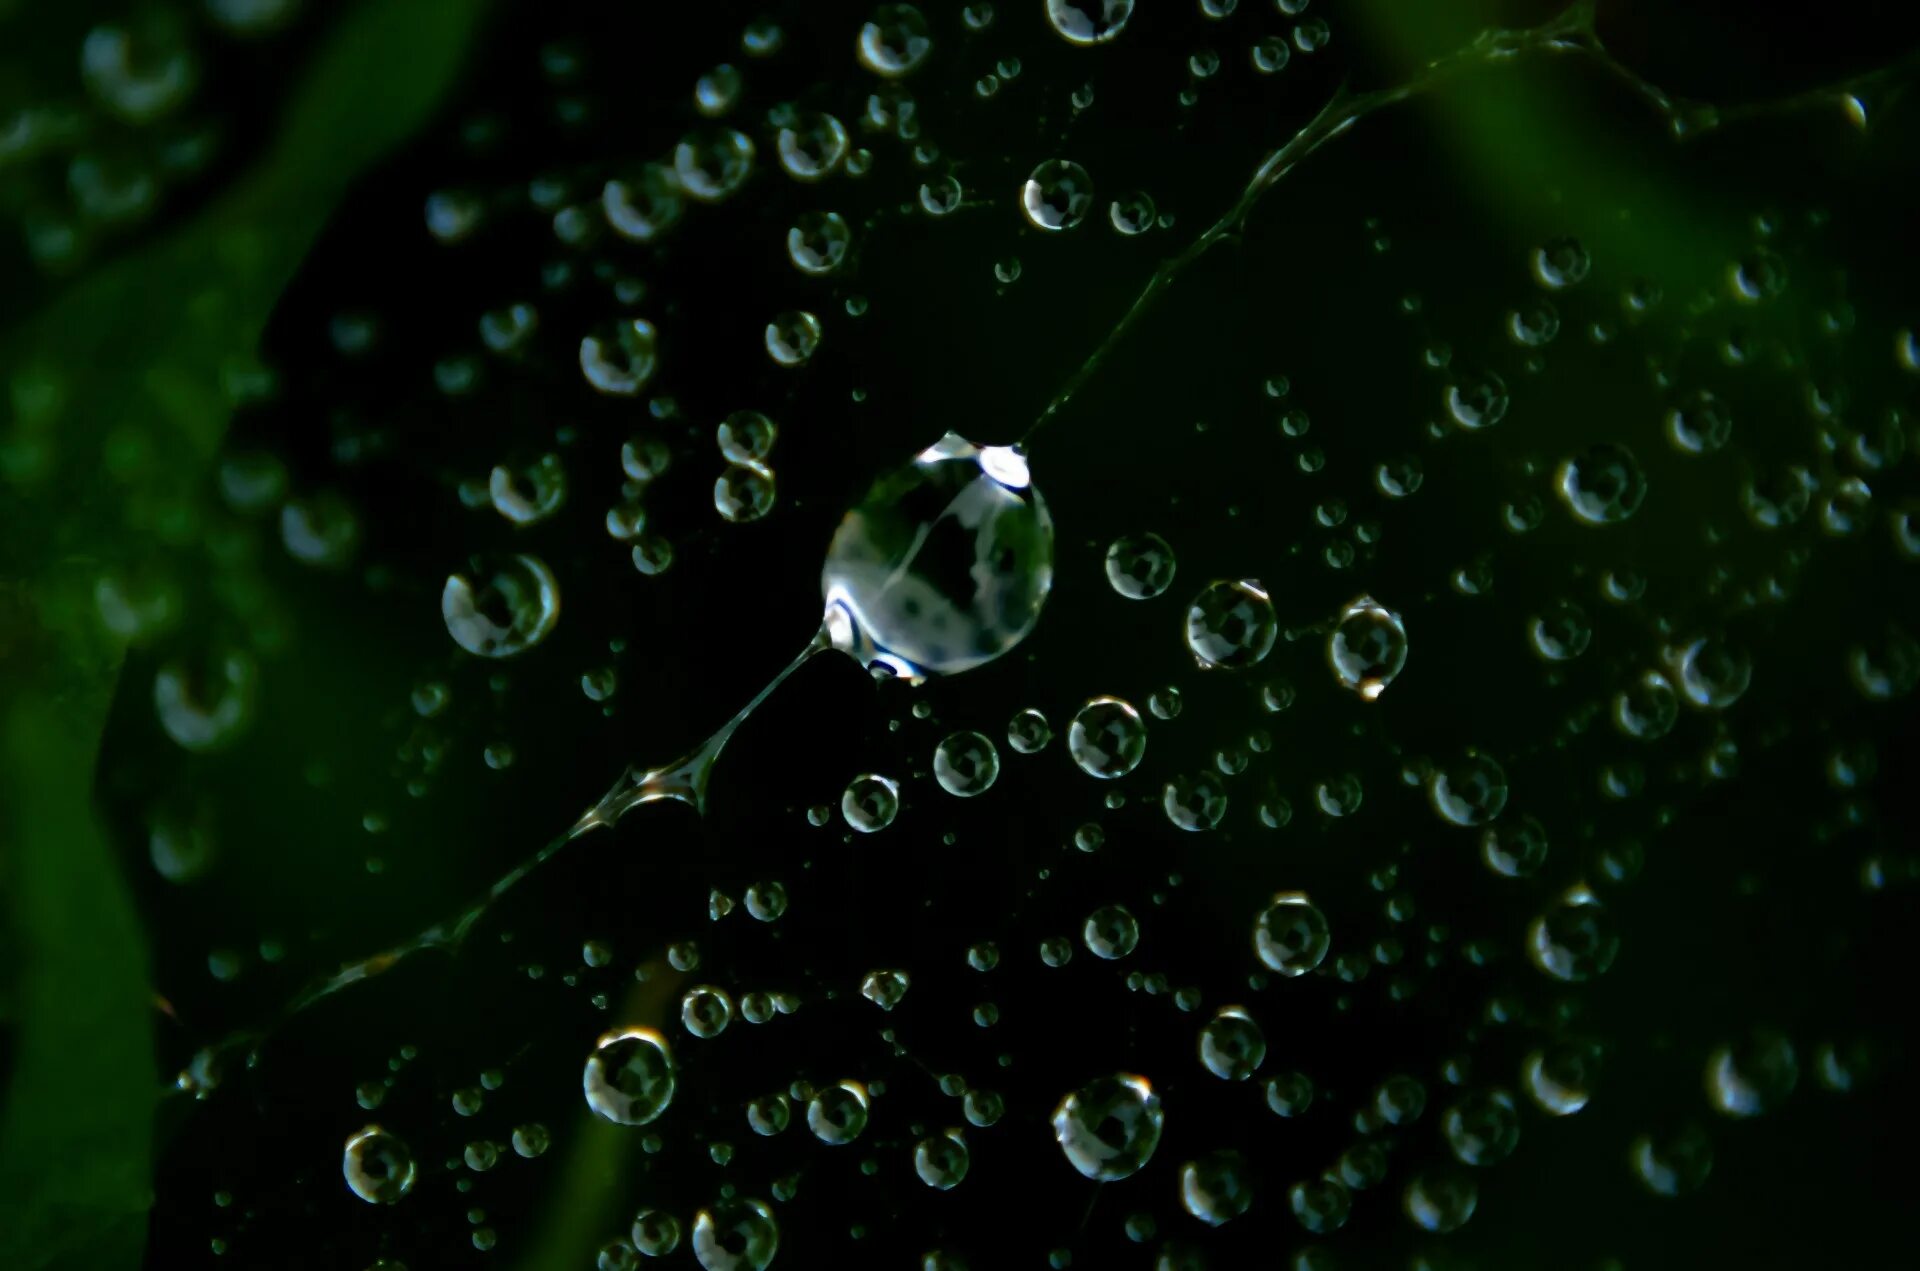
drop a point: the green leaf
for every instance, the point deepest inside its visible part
(117, 407)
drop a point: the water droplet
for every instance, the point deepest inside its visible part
(1573, 939)
(1472, 791)
(818, 242)
(1231, 624)
(944, 565)
(1058, 195)
(1477, 399)
(1699, 423)
(894, 41)
(1110, 1127)
(1601, 485)
(1516, 847)
(735, 1235)
(629, 1077)
(1440, 1200)
(1752, 1076)
(1107, 738)
(1140, 566)
(1087, 22)
(1111, 932)
(1368, 647)
(378, 1167)
(744, 492)
(619, 360)
(838, 1114)
(1132, 213)
(1291, 935)
(514, 607)
(1483, 1127)
(643, 206)
(792, 337)
(870, 803)
(713, 161)
(1195, 802)
(1560, 263)
(1216, 1188)
(1231, 1045)
(1028, 732)
(812, 144)
(966, 764)
(941, 1160)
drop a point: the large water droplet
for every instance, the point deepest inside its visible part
(511, 609)
(1110, 1127)
(944, 565)
(629, 1077)
(1107, 738)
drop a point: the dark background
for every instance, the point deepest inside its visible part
(1749, 911)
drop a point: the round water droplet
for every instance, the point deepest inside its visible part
(870, 803)
(512, 607)
(1483, 1127)
(712, 162)
(1673, 1163)
(894, 41)
(1752, 1076)
(1712, 673)
(1441, 1200)
(838, 1114)
(792, 337)
(966, 764)
(629, 1076)
(746, 436)
(1028, 732)
(1368, 647)
(1320, 1205)
(1561, 632)
(1700, 423)
(1111, 932)
(1517, 847)
(1647, 708)
(1573, 939)
(811, 145)
(643, 206)
(1110, 1127)
(1561, 1077)
(655, 1232)
(1195, 802)
(818, 242)
(735, 1235)
(744, 492)
(378, 1167)
(1561, 262)
(1140, 566)
(941, 1160)
(944, 565)
(705, 1011)
(1291, 935)
(1107, 738)
(1601, 485)
(619, 359)
(1217, 1187)
(1472, 791)
(1058, 195)
(1089, 21)
(1231, 624)
(1231, 1045)
(1477, 399)
(1289, 1094)
(1132, 213)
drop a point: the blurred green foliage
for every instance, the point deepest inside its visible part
(118, 394)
